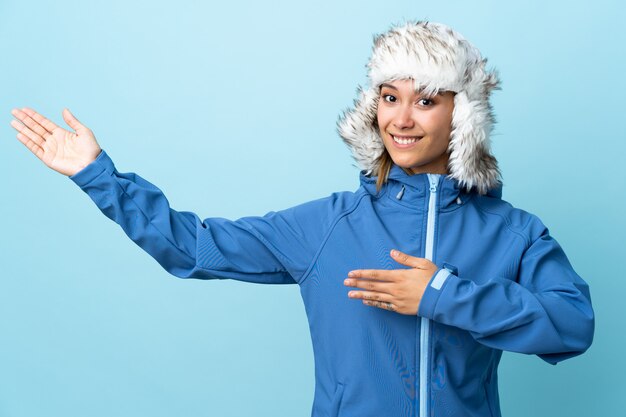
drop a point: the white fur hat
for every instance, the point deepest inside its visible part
(437, 58)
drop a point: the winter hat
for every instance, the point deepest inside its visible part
(437, 58)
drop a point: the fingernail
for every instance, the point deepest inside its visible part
(350, 274)
(394, 253)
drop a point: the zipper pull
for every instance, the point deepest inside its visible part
(434, 179)
(401, 193)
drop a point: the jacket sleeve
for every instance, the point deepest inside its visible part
(546, 311)
(276, 248)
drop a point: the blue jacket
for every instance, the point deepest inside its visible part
(502, 283)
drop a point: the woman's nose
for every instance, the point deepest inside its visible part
(404, 119)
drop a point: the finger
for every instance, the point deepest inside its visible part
(31, 123)
(31, 145)
(73, 122)
(385, 287)
(371, 295)
(47, 124)
(378, 274)
(29, 134)
(381, 304)
(408, 260)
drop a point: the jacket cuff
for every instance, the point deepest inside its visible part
(433, 291)
(101, 164)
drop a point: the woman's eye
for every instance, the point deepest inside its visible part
(423, 101)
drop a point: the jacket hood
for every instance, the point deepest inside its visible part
(437, 58)
(415, 189)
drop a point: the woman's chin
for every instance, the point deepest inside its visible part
(406, 164)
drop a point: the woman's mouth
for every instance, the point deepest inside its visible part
(405, 141)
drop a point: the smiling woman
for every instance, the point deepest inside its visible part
(449, 275)
(415, 128)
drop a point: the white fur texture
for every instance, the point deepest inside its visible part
(437, 58)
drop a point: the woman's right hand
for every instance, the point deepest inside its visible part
(63, 151)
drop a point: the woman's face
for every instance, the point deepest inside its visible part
(422, 124)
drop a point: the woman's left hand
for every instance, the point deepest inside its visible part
(398, 290)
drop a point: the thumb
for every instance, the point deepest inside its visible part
(408, 260)
(73, 122)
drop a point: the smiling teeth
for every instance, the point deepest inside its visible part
(403, 141)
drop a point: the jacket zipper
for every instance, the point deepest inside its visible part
(425, 323)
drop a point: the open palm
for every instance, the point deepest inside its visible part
(61, 150)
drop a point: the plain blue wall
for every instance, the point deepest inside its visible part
(230, 108)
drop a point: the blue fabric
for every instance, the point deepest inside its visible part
(503, 283)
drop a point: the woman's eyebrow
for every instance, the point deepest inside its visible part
(388, 86)
(439, 93)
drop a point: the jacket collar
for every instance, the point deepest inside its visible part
(415, 189)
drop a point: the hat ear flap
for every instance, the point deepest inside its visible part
(491, 82)
(358, 128)
(471, 161)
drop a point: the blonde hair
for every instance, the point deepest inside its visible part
(384, 166)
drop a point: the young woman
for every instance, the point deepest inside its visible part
(414, 283)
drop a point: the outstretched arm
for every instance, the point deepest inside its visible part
(275, 248)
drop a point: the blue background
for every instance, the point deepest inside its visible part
(230, 109)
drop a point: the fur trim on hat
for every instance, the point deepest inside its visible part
(437, 58)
